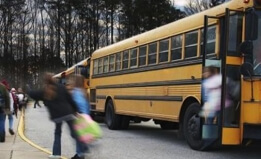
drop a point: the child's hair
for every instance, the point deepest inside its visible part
(79, 81)
(50, 86)
(48, 78)
(212, 69)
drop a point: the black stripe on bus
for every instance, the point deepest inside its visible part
(152, 67)
(148, 84)
(100, 97)
(157, 98)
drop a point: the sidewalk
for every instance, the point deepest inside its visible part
(18, 146)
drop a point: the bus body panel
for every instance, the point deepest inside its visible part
(231, 136)
(139, 102)
(251, 109)
(189, 72)
(145, 94)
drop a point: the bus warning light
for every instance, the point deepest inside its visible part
(63, 75)
(246, 1)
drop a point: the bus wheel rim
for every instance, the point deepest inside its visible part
(194, 127)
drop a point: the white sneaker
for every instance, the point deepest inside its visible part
(54, 157)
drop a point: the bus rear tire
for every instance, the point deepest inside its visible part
(113, 120)
(192, 127)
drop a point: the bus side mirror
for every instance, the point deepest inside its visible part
(247, 69)
(251, 25)
(246, 48)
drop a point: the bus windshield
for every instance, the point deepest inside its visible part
(257, 48)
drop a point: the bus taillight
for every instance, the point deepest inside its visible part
(246, 1)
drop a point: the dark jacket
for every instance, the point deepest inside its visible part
(6, 97)
(62, 105)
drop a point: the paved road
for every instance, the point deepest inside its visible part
(140, 141)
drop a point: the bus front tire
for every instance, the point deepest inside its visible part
(192, 127)
(112, 119)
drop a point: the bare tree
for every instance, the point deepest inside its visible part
(195, 6)
(42, 35)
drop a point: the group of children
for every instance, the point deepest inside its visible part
(11, 102)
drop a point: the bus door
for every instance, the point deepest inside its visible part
(211, 128)
(225, 128)
(232, 31)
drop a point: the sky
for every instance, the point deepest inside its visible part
(180, 3)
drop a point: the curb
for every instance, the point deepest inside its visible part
(21, 127)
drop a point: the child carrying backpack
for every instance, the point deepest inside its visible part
(22, 98)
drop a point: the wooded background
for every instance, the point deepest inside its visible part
(51, 35)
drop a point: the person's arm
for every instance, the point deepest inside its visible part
(11, 102)
(36, 94)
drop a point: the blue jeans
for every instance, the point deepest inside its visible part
(57, 139)
(210, 120)
(2, 124)
(80, 148)
(11, 121)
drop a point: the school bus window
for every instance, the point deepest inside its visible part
(211, 40)
(118, 61)
(235, 34)
(112, 61)
(152, 53)
(176, 47)
(100, 66)
(191, 40)
(125, 61)
(105, 64)
(133, 58)
(142, 55)
(164, 50)
(95, 67)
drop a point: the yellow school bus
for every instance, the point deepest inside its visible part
(158, 74)
(80, 68)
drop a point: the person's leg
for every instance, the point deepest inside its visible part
(2, 127)
(81, 147)
(78, 148)
(38, 104)
(11, 123)
(57, 139)
(209, 120)
(20, 107)
(35, 102)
